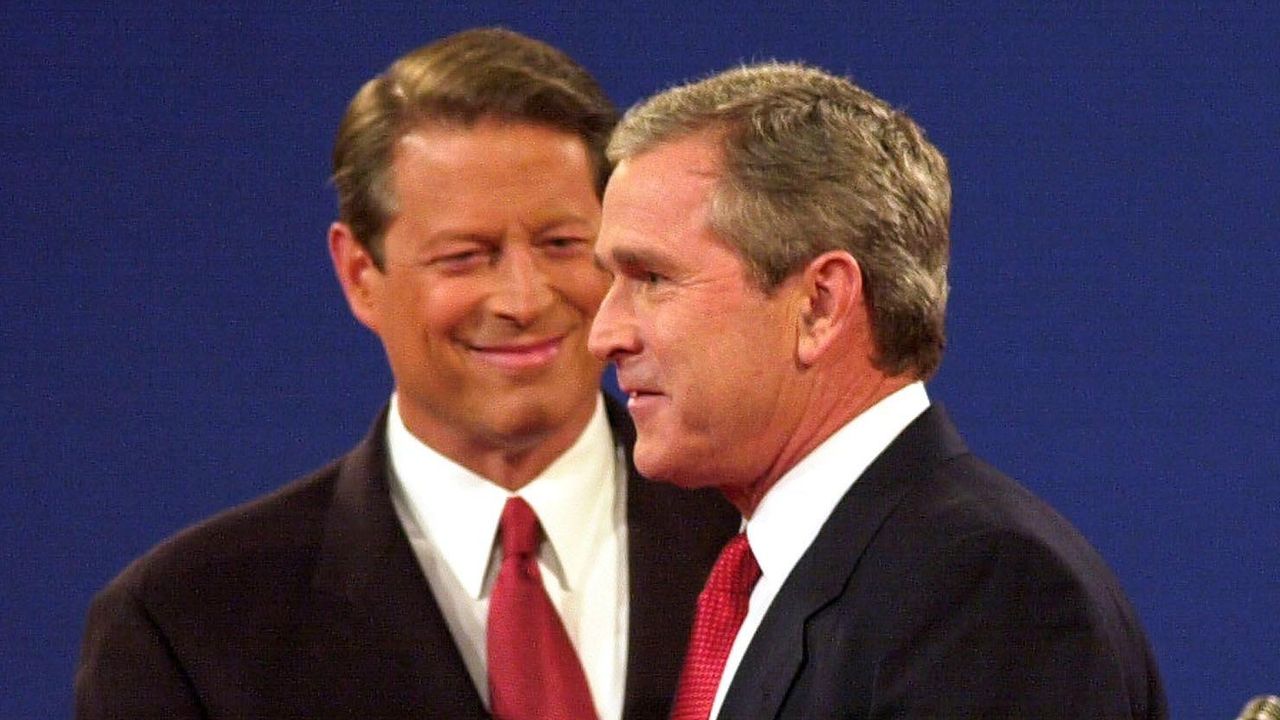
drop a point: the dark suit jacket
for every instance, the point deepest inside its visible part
(309, 603)
(939, 588)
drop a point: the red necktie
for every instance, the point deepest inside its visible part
(721, 608)
(534, 673)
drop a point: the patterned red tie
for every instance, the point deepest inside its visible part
(721, 608)
(534, 673)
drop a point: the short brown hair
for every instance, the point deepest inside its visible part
(474, 74)
(813, 163)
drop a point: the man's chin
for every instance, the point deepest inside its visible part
(654, 461)
(533, 412)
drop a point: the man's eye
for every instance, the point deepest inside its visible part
(462, 259)
(564, 244)
(650, 278)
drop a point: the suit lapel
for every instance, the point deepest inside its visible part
(372, 595)
(777, 652)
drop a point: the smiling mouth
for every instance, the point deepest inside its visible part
(519, 356)
(632, 389)
(641, 401)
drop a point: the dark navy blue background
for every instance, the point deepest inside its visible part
(174, 341)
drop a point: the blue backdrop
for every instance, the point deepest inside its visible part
(174, 341)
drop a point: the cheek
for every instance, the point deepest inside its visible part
(444, 305)
(689, 367)
(583, 287)
(733, 386)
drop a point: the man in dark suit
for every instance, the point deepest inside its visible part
(489, 546)
(779, 243)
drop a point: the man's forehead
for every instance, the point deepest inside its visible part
(656, 194)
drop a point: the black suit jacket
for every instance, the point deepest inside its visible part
(309, 603)
(939, 588)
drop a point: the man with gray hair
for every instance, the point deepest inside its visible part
(779, 243)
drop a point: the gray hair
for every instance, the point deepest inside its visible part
(813, 163)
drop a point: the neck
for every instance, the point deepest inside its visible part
(824, 412)
(510, 460)
(513, 470)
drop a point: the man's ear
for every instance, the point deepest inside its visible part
(832, 306)
(357, 272)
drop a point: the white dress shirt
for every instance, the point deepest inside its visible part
(792, 512)
(451, 514)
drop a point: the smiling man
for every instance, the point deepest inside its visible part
(779, 242)
(489, 547)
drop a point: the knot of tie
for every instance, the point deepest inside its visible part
(736, 571)
(519, 527)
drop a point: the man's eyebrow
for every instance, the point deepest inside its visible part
(628, 259)
(624, 256)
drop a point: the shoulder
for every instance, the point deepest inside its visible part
(274, 536)
(980, 572)
(968, 502)
(267, 545)
(212, 590)
(965, 513)
(971, 550)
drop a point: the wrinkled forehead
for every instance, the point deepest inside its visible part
(656, 199)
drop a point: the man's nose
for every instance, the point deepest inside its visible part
(523, 289)
(613, 332)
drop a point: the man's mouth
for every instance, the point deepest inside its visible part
(519, 355)
(639, 398)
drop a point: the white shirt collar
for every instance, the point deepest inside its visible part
(450, 502)
(792, 512)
